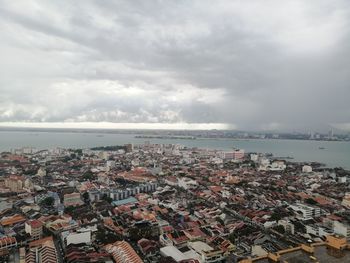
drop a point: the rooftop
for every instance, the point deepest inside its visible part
(4, 241)
(334, 250)
(124, 201)
(12, 220)
(34, 223)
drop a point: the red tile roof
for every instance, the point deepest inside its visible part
(34, 223)
(6, 241)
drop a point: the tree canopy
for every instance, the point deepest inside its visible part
(48, 201)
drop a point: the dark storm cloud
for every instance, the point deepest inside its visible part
(252, 64)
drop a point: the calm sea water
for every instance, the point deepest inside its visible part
(335, 154)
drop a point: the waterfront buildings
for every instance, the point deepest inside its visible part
(237, 154)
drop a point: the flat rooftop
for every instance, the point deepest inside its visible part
(321, 255)
(298, 256)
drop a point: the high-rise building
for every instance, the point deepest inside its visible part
(34, 228)
(330, 134)
(15, 183)
(237, 154)
(42, 251)
(72, 199)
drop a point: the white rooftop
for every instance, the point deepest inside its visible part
(200, 246)
(171, 251)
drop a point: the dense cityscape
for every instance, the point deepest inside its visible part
(170, 203)
(167, 131)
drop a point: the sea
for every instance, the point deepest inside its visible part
(331, 153)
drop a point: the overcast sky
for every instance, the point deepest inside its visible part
(248, 65)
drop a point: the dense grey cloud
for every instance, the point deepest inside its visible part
(273, 65)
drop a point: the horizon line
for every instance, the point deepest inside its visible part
(119, 126)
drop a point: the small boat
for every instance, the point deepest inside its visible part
(321, 148)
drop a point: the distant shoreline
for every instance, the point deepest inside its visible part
(149, 133)
(166, 137)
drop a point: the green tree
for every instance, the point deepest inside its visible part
(106, 237)
(79, 152)
(280, 229)
(86, 196)
(232, 237)
(48, 201)
(66, 159)
(220, 220)
(69, 210)
(88, 175)
(275, 216)
(310, 201)
(107, 198)
(136, 233)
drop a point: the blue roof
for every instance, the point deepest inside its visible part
(124, 201)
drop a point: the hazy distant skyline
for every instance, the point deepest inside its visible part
(247, 65)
